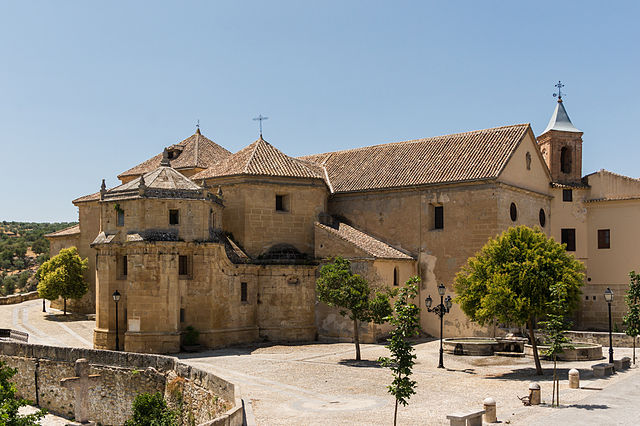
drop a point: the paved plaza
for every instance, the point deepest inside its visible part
(320, 384)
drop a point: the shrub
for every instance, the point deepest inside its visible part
(151, 410)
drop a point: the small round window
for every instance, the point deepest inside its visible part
(542, 217)
(513, 211)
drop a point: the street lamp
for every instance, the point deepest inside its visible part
(608, 296)
(440, 310)
(116, 298)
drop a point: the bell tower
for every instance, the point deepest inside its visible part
(561, 145)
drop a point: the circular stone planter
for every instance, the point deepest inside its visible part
(470, 346)
(580, 352)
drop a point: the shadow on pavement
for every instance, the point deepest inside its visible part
(70, 317)
(362, 363)
(529, 374)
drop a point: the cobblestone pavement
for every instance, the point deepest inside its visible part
(320, 384)
(50, 328)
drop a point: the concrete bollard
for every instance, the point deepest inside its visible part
(490, 415)
(574, 379)
(534, 393)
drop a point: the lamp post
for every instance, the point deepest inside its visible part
(608, 296)
(116, 298)
(440, 310)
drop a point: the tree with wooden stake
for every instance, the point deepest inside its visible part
(338, 286)
(61, 276)
(406, 320)
(632, 319)
(511, 280)
(555, 328)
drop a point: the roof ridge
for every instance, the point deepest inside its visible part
(253, 154)
(615, 174)
(411, 141)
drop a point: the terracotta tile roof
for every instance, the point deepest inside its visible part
(470, 156)
(364, 242)
(262, 158)
(576, 185)
(91, 197)
(196, 151)
(620, 198)
(163, 182)
(72, 230)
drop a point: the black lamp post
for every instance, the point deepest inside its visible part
(116, 298)
(608, 296)
(440, 310)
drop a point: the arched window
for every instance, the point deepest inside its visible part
(396, 277)
(565, 160)
(513, 212)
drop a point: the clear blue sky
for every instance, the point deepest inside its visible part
(90, 89)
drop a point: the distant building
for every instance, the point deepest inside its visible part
(230, 243)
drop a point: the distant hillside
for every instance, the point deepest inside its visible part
(23, 249)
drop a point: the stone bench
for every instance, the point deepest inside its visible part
(622, 364)
(472, 418)
(603, 369)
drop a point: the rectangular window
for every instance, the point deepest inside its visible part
(174, 217)
(184, 266)
(121, 267)
(282, 203)
(567, 195)
(181, 314)
(568, 236)
(243, 292)
(120, 218)
(604, 238)
(438, 217)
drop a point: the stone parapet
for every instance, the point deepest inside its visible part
(19, 298)
(202, 397)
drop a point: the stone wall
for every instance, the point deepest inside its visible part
(620, 340)
(250, 211)
(19, 298)
(201, 397)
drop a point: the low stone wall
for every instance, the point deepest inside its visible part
(18, 298)
(620, 340)
(200, 397)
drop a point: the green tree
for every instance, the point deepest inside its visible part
(40, 246)
(632, 318)
(555, 327)
(338, 286)
(514, 278)
(61, 276)
(9, 404)
(151, 410)
(406, 320)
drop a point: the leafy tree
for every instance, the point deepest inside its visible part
(151, 410)
(514, 278)
(9, 404)
(632, 318)
(338, 286)
(61, 276)
(555, 328)
(406, 319)
(40, 246)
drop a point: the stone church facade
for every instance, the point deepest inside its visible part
(230, 243)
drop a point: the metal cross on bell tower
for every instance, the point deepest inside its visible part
(260, 118)
(559, 94)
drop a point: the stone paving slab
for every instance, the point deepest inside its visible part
(320, 384)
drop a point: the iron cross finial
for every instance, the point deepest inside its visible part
(260, 118)
(559, 94)
(198, 125)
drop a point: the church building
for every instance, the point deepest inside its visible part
(230, 243)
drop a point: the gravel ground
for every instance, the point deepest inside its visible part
(319, 384)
